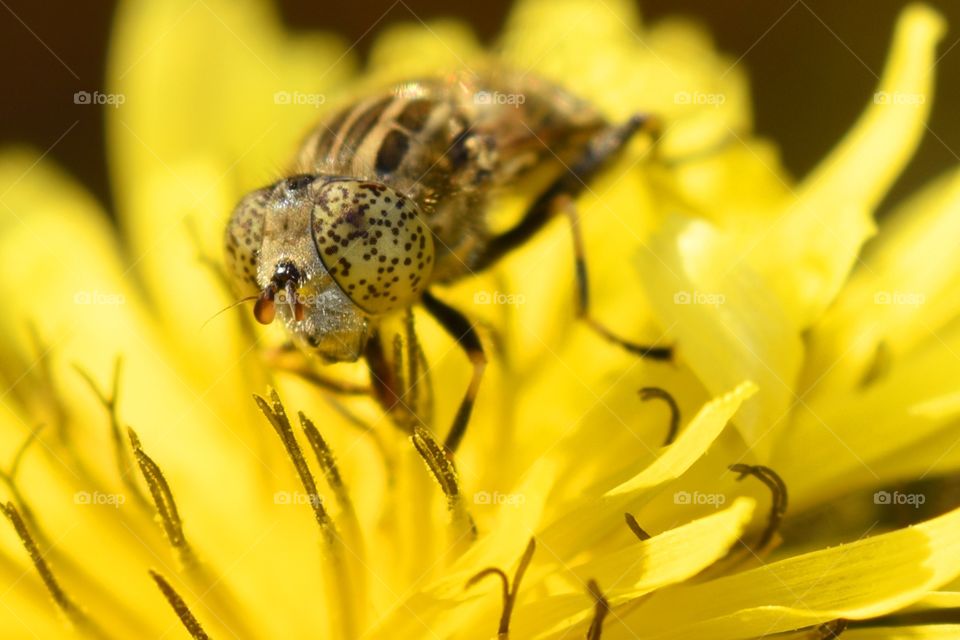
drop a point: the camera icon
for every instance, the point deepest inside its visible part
(483, 97)
(882, 497)
(882, 297)
(82, 97)
(481, 497)
(682, 497)
(881, 97)
(682, 297)
(281, 97)
(682, 97)
(281, 497)
(81, 497)
(482, 297)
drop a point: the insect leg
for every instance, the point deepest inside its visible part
(603, 146)
(559, 197)
(583, 292)
(399, 379)
(460, 329)
(291, 360)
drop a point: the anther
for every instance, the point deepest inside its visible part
(509, 591)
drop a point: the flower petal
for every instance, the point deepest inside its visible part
(670, 557)
(216, 97)
(813, 242)
(863, 579)
(898, 298)
(724, 319)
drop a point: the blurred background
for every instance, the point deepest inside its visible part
(812, 65)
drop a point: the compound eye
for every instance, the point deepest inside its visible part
(374, 243)
(243, 239)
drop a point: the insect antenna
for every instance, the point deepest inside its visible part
(227, 308)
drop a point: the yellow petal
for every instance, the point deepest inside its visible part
(670, 557)
(898, 297)
(865, 432)
(588, 520)
(859, 580)
(725, 321)
(692, 442)
(814, 241)
(216, 99)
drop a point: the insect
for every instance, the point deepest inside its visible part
(390, 196)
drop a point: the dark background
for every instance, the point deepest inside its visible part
(797, 52)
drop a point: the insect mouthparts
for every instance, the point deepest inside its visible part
(285, 272)
(285, 280)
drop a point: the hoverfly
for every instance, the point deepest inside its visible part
(390, 196)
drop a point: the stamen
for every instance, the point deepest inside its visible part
(778, 506)
(190, 622)
(650, 393)
(413, 350)
(122, 457)
(52, 399)
(879, 365)
(601, 611)
(445, 472)
(401, 382)
(60, 597)
(277, 416)
(831, 630)
(162, 500)
(389, 465)
(341, 583)
(214, 264)
(918, 618)
(509, 592)
(9, 478)
(826, 631)
(328, 464)
(635, 527)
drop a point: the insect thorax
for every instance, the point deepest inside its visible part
(450, 145)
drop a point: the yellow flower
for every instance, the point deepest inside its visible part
(834, 368)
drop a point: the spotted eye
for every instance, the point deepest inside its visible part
(243, 240)
(374, 244)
